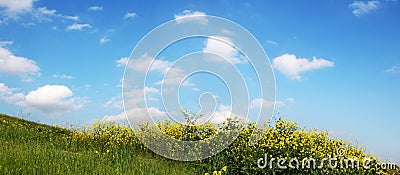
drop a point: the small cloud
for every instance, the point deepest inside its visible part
(95, 8)
(130, 15)
(6, 43)
(61, 76)
(271, 43)
(292, 66)
(104, 40)
(122, 62)
(394, 69)
(196, 89)
(361, 8)
(191, 16)
(290, 100)
(115, 102)
(76, 26)
(10, 95)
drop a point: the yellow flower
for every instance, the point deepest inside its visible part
(224, 168)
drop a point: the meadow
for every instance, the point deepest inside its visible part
(109, 148)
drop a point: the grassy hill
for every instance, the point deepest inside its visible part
(107, 148)
(31, 148)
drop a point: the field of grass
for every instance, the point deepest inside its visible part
(31, 148)
(107, 148)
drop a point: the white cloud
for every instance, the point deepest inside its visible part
(191, 16)
(104, 40)
(290, 100)
(394, 69)
(95, 8)
(174, 77)
(52, 99)
(122, 62)
(9, 95)
(24, 12)
(76, 26)
(17, 65)
(115, 102)
(272, 43)
(130, 15)
(361, 8)
(42, 14)
(223, 112)
(292, 66)
(142, 63)
(16, 6)
(48, 99)
(136, 114)
(135, 97)
(62, 76)
(6, 43)
(217, 45)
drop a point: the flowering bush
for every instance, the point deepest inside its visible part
(281, 139)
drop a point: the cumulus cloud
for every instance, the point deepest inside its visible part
(191, 16)
(142, 63)
(17, 65)
(76, 26)
(130, 15)
(52, 99)
(16, 6)
(292, 66)
(219, 45)
(95, 8)
(135, 98)
(48, 99)
(360, 8)
(104, 40)
(174, 77)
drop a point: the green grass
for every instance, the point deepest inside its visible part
(108, 148)
(32, 148)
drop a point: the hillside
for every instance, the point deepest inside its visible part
(107, 148)
(31, 148)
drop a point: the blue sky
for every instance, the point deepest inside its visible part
(336, 63)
